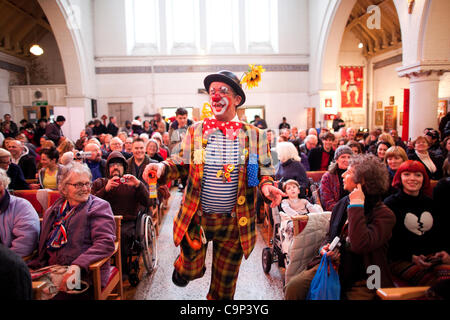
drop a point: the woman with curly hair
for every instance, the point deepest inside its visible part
(364, 225)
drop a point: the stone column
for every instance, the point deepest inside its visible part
(5, 104)
(423, 101)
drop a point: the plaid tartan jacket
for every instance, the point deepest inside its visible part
(189, 162)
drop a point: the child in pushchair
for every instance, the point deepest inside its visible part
(291, 207)
(296, 206)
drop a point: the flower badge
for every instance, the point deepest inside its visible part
(253, 76)
(206, 111)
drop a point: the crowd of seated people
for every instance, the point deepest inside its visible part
(30, 159)
(27, 153)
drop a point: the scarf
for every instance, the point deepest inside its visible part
(58, 235)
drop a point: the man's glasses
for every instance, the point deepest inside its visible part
(80, 185)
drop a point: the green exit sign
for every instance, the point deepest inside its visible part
(40, 103)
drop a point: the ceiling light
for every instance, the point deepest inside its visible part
(360, 45)
(36, 50)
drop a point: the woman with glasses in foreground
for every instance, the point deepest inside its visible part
(77, 230)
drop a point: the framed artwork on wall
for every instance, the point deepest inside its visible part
(379, 105)
(351, 86)
(390, 118)
(379, 118)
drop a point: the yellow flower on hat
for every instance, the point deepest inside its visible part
(253, 76)
(206, 111)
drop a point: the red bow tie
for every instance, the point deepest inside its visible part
(229, 129)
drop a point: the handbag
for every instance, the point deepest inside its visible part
(325, 284)
(52, 276)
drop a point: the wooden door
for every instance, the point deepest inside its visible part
(122, 111)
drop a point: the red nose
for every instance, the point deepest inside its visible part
(216, 98)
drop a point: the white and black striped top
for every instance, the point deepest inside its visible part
(217, 196)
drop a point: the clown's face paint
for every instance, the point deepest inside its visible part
(223, 101)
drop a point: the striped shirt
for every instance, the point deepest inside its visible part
(218, 196)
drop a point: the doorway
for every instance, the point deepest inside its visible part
(122, 111)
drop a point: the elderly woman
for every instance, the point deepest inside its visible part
(290, 166)
(78, 229)
(433, 164)
(364, 225)
(331, 186)
(19, 222)
(152, 150)
(418, 236)
(50, 173)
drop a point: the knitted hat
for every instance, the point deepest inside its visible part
(342, 150)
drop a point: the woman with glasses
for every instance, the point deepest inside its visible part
(77, 230)
(432, 163)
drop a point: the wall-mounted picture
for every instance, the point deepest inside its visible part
(379, 105)
(379, 118)
(391, 100)
(351, 87)
(328, 103)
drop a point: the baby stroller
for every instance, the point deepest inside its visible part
(143, 245)
(277, 252)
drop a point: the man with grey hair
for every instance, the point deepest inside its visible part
(21, 157)
(13, 171)
(95, 161)
(309, 144)
(116, 144)
(19, 221)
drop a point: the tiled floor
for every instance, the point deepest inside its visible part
(253, 283)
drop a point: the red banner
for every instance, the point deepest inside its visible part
(351, 87)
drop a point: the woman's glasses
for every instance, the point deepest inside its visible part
(80, 185)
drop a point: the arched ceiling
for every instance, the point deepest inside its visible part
(22, 24)
(375, 40)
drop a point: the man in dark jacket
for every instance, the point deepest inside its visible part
(13, 171)
(126, 194)
(320, 158)
(53, 131)
(112, 128)
(21, 157)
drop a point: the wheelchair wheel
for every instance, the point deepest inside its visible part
(266, 260)
(149, 250)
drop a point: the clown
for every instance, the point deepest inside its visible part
(225, 161)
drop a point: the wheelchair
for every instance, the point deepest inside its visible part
(143, 245)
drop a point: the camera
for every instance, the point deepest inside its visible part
(151, 175)
(123, 180)
(82, 155)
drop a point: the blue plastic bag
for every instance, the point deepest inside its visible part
(325, 284)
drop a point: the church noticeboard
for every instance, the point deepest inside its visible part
(310, 117)
(390, 118)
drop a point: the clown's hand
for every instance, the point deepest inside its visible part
(274, 194)
(158, 167)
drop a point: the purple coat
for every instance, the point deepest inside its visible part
(19, 225)
(90, 232)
